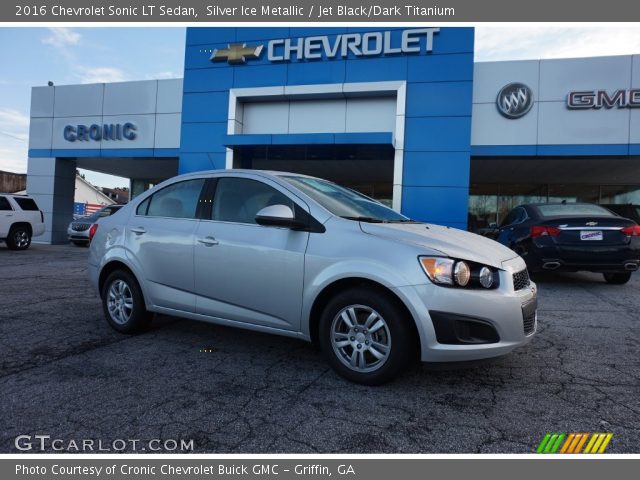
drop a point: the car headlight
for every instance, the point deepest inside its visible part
(486, 277)
(438, 269)
(459, 273)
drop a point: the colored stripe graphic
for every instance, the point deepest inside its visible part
(598, 443)
(574, 442)
(551, 442)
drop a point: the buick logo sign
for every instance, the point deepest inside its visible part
(514, 100)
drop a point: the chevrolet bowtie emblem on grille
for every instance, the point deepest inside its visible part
(236, 53)
(591, 224)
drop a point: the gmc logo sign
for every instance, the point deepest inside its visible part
(580, 100)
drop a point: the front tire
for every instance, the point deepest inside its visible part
(365, 336)
(617, 278)
(19, 238)
(123, 303)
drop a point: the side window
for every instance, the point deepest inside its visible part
(143, 207)
(179, 200)
(4, 204)
(522, 215)
(239, 199)
(26, 204)
(513, 214)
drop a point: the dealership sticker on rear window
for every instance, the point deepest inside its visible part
(591, 235)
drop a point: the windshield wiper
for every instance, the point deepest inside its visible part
(364, 219)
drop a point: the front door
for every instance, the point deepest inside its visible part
(243, 271)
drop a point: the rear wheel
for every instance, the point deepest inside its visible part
(365, 336)
(19, 237)
(123, 303)
(617, 278)
(81, 244)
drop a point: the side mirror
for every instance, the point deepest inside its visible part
(276, 216)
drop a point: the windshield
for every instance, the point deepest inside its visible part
(344, 202)
(573, 210)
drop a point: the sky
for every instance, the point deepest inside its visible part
(33, 56)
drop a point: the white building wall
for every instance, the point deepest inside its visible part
(550, 122)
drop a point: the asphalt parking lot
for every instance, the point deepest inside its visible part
(65, 373)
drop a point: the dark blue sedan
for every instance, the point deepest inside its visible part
(573, 237)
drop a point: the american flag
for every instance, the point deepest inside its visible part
(86, 208)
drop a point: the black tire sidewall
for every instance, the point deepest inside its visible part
(139, 315)
(10, 238)
(617, 278)
(399, 328)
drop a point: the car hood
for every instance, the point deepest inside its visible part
(452, 242)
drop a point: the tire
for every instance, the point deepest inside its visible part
(617, 278)
(382, 332)
(19, 237)
(123, 303)
(81, 244)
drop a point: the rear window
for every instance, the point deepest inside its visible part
(573, 210)
(26, 203)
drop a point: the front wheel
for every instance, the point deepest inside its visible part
(123, 303)
(617, 278)
(365, 336)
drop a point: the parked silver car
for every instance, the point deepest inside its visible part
(303, 257)
(79, 229)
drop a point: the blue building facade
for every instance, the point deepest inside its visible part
(432, 86)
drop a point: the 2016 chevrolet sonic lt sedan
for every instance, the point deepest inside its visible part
(303, 257)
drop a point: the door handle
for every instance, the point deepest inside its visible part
(208, 241)
(138, 230)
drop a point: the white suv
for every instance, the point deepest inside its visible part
(20, 219)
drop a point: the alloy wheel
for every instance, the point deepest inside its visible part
(360, 338)
(120, 302)
(21, 239)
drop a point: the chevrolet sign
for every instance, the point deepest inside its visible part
(366, 44)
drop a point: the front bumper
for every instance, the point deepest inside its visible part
(75, 236)
(501, 308)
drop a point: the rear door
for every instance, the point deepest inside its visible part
(160, 237)
(6, 216)
(244, 271)
(508, 234)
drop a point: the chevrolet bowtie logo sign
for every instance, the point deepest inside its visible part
(236, 53)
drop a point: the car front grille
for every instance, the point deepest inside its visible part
(521, 280)
(80, 227)
(529, 324)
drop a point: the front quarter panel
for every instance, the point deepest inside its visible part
(344, 252)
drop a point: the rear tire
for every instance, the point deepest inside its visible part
(81, 244)
(365, 336)
(617, 278)
(19, 237)
(123, 303)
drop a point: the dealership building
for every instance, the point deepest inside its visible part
(400, 114)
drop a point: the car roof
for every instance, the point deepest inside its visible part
(542, 204)
(264, 173)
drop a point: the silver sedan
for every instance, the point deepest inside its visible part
(303, 257)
